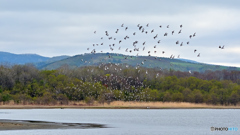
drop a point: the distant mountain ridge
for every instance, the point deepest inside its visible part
(89, 59)
(20, 59)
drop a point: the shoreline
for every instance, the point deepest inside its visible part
(120, 105)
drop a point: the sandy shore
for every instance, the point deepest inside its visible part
(122, 105)
(24, 125)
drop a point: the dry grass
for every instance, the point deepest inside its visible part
(165, 105)
(121, 105)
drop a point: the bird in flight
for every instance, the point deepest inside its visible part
(221, 47)
(179, 31)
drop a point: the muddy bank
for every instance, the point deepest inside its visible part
(28, 124)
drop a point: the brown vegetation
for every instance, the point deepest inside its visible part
(120, 105)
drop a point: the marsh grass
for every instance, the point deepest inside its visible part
(122, 105)
(170, 105)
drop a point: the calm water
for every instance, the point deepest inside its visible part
(129, 121)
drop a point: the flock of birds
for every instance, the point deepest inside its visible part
(118, 41)
(113, 40)
(144, 30)
(136, 45)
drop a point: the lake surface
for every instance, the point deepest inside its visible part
(129, 121)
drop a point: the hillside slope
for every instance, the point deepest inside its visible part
(144, 61)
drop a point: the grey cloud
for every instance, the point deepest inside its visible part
(116, 6)
(66, 27)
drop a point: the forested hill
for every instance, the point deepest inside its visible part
(106, 83)
(144, 61)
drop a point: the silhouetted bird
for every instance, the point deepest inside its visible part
(179, 31)
(194, 34)
(221, 47)
(181, 44)
(155, 36)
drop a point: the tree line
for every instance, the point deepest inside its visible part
(112, 82)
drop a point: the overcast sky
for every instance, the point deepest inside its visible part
(66, 27)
